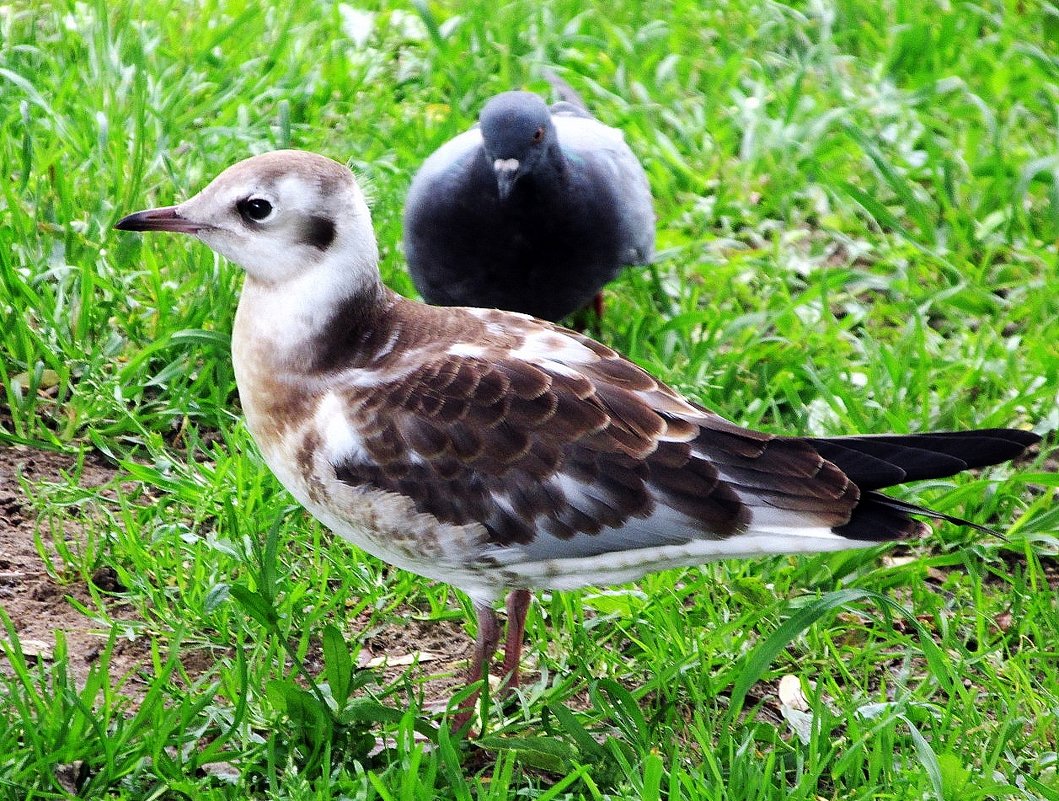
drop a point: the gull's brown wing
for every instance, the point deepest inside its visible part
(557, 445)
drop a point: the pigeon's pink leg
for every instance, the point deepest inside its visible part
(597, 305)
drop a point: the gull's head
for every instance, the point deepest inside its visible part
(517, 131)
(277, 216)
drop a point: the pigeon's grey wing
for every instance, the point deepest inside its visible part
(568, 94)
(567, 109)
(610, 173)
(437, 230)
(444, 168)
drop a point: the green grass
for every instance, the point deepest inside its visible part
(858, 213)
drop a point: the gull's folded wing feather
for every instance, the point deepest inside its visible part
(562, 449)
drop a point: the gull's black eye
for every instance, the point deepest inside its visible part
(254, 209)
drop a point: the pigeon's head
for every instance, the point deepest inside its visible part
(276, 215)
(517, 132)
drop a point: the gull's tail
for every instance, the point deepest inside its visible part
(876, 462)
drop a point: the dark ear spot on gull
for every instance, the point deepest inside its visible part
(319, 232)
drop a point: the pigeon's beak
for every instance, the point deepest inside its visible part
(506, 175)
(164, 219)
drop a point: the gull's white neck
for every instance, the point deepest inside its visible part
(278, 324)
(281, 327)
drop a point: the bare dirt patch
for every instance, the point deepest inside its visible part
(436, 653)
(38, 604)
(441, 648)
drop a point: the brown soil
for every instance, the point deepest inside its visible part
(39, 604)
(433, 653)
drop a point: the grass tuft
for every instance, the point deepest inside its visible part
(858, 211)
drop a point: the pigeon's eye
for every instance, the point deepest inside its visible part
(254, 209)
(538, 135)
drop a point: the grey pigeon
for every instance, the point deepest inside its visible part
(533, 210)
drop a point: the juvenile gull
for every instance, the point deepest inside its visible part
(533, 210)
(501, 453)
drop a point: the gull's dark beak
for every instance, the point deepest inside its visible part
(163, 219)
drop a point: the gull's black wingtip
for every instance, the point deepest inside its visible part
(874, 462)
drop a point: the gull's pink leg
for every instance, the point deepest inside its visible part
(485, 645)
(518, 602)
